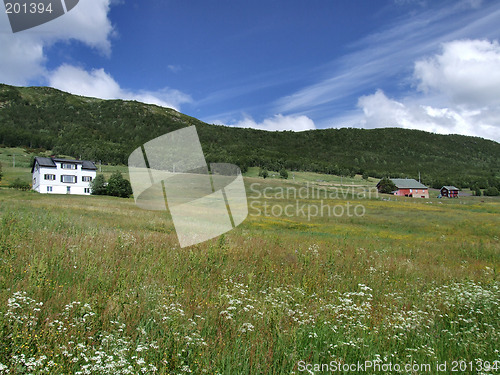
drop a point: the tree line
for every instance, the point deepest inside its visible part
(109, 130)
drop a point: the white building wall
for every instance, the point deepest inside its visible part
(36, 178)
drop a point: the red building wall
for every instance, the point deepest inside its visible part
(416, 193)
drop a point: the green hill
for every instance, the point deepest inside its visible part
(108, 130)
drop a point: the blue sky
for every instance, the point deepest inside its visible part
(276, 65)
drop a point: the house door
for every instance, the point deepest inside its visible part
(68, 189)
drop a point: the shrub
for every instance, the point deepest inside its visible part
(491, 191)
(283, 173)
(19, 184)
(118, 186)
(1, 174)
(263, 173)
(98, 185)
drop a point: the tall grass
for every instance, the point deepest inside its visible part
(95, 285)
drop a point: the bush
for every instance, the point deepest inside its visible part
(20, 184)
(386, 186)
(283, 173)
(1, 174)
(98, 185)
(118, 186)
(491, 192)
(263, 173)
(365, 176)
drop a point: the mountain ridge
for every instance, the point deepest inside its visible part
(108, 130)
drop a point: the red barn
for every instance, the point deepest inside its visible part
(449, 191)
(409, 187)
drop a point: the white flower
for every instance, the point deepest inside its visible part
(246, 327)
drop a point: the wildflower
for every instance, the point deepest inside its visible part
(246, 327)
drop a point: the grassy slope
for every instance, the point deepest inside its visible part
(23, 163)
(411, 277)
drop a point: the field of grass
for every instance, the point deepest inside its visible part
(316, 178)
(96, 285)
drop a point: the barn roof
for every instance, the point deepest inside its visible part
(408, 183)
(450, 188)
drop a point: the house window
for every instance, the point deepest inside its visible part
(51, 177)
(87, 190)
(49, 189)
(68, 179)
(86, 179)
(68, 166)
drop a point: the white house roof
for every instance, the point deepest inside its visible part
(450, 188)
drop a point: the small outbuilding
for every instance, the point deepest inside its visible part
(449, 191)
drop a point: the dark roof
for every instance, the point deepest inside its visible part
(450, 188)
(408, 183)
(45, 162)
(87, 164)
(51, 163)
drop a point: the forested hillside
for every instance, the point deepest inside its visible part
(108, 130)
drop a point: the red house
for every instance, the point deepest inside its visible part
(449, 191)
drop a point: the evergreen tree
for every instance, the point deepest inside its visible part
(98, 185)
(386, 186)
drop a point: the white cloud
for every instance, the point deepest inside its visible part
(386, 55)
(467, 71)
(278, 123)
(174, 68)
(88, 22)
(458, 93)
(21, 60)
(23, 56)
(379, 111)
(98, 83)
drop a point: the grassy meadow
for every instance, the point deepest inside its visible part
(96, 285)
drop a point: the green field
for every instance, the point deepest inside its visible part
(95, 285)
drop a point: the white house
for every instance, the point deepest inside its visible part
(62, 176)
